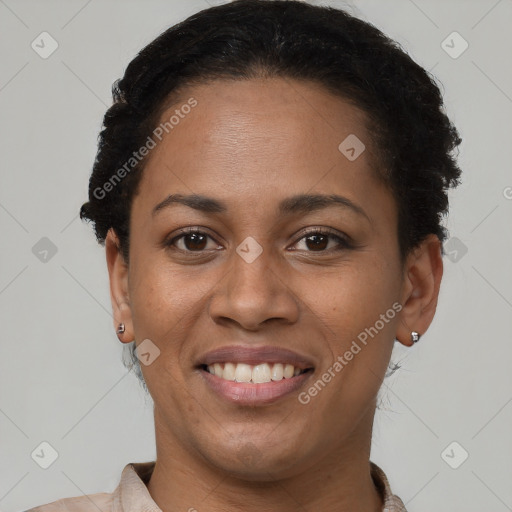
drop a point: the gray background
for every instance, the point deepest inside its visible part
(61, 376)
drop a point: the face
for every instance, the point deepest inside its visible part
(269, 278)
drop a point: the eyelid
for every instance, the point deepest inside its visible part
(323, 231)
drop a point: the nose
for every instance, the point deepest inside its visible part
(251, 294)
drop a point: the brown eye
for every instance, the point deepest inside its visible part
(315, 242)
(318, 241)
(192, 240)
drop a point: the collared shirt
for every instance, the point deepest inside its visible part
(132, 495)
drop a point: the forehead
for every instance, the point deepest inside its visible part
(253, 139)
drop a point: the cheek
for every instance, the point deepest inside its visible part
(156, 306)
(166, 306)
(159, 297)
(356, 297)
(360, 323)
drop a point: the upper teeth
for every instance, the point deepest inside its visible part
(259, 373)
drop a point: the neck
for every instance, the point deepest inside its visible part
(340, 481)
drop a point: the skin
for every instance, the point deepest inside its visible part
(251, 144)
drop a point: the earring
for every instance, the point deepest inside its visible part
(415, 336)
(120, 329)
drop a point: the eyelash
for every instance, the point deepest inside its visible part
(343, 242)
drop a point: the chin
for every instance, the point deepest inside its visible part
(258, 461)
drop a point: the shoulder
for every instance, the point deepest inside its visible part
(101, 502)
(392, 503)
(130, 494)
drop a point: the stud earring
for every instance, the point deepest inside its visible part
(120, 329)
(415, 336)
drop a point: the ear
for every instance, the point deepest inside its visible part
(118, 277)
(423, 271)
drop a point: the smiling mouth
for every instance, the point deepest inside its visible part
(254, 374)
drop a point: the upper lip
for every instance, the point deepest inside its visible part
(255, 355)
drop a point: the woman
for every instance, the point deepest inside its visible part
(269, 186)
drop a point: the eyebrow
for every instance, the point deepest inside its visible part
(302, 203)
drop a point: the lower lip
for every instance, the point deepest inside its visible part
(246, 393)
